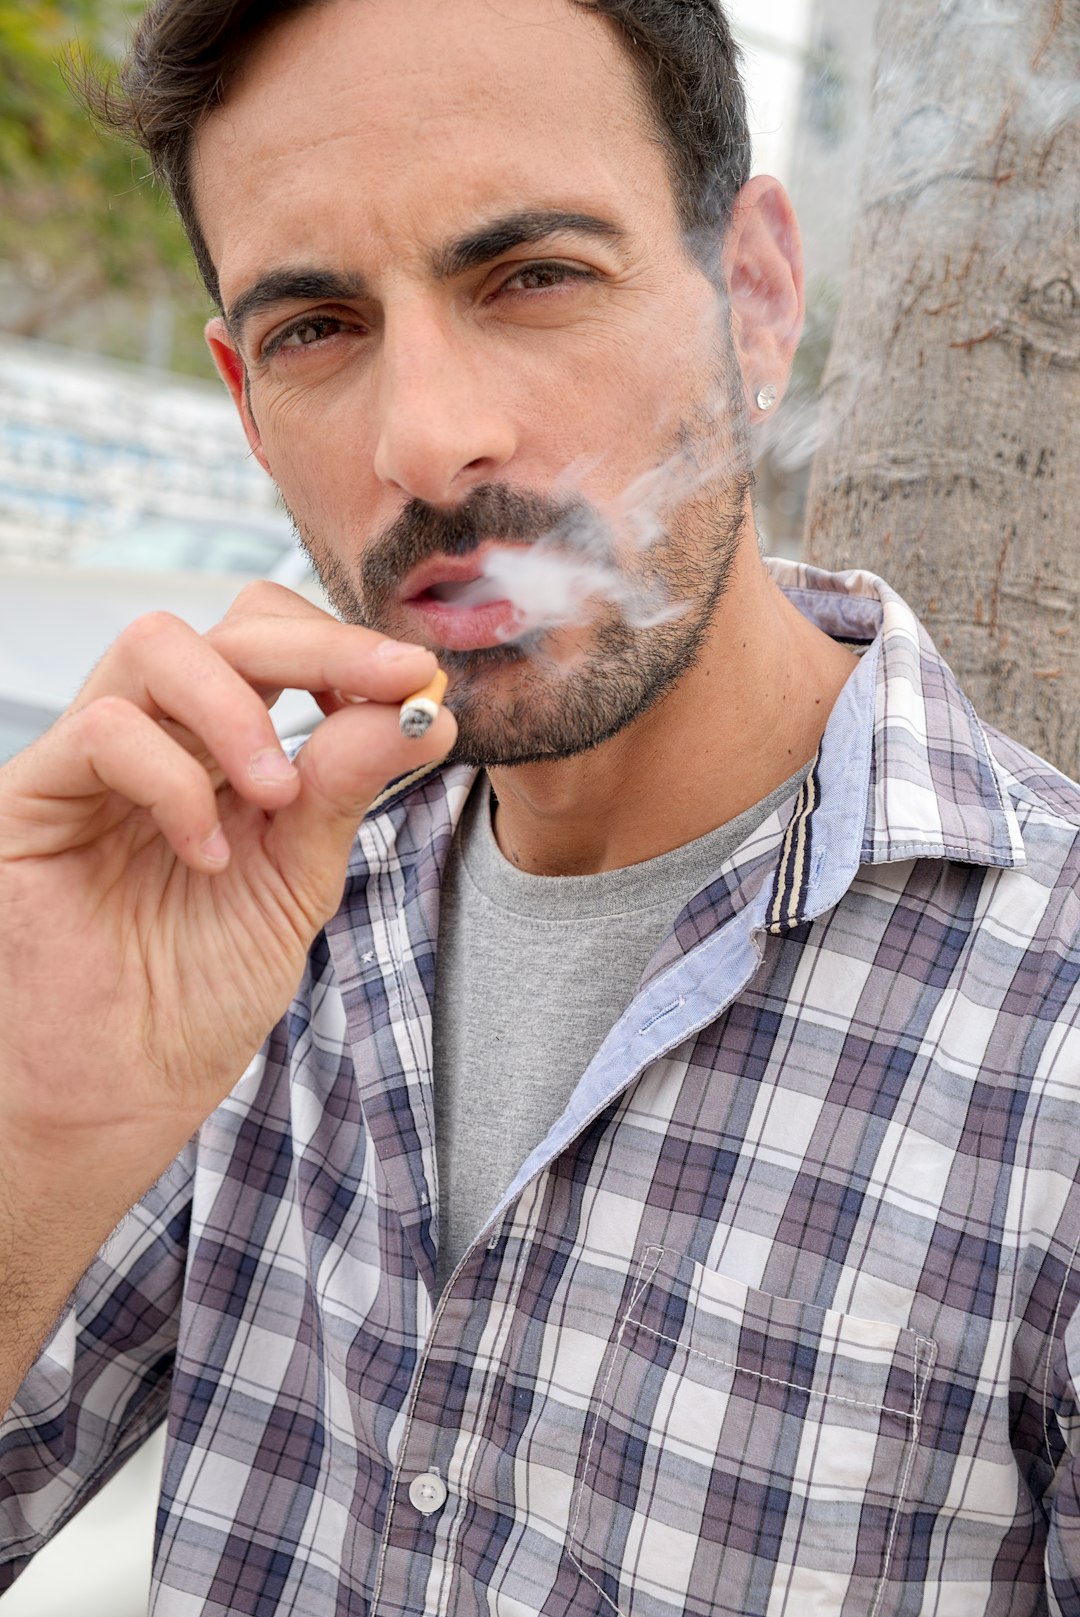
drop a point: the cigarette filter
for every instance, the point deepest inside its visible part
(419, 712)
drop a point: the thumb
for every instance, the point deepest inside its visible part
(351, 757)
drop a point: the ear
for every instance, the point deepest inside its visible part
(230, 368)
(763, 272)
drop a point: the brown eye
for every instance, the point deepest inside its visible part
(311, 331)
(539, 277)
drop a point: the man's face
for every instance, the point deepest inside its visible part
(497, 394)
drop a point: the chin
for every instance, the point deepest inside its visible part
(484, 756)
(516, 741)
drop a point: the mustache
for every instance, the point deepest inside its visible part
(490, 511)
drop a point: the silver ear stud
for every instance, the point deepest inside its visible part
(767, 396)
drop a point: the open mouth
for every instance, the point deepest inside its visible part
(460, 607)
(463, 592)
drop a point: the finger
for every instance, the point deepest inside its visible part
(347, 762)
(206, 681)
(163, 667)
(113, 747)
(263, 603)
(320, 654)
(262, 598)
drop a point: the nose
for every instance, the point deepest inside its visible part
(440, 427)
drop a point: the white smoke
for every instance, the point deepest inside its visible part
(551, 588)
(557, 581)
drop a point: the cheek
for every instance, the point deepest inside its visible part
(660, 372)
(633, 413)
(317, 455)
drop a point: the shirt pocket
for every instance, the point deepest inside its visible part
(745, 1453)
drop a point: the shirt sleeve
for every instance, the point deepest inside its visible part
(101, 1384)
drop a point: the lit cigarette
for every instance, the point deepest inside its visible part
(419, 712)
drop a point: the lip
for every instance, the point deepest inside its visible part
(462, 628)
(458, 628)
(443, 570)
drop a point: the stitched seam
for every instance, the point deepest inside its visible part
(777, 1381)
(397, 1476)
(914, 1416)
(643, 1280)
(898, 851)
(397, 786)
(992, 765)
(659, 1016)
(1050, 1349)
(918, 1390)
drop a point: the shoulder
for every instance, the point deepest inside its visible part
(1046, 804)
(1040, 793)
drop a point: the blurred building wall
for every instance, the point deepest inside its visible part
(88, 446)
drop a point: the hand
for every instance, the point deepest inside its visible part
(163, 869)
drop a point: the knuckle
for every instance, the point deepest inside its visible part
(257, 598)
(104, 715)
(263, 598)
(149, 629)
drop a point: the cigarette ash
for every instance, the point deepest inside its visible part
(416, 721)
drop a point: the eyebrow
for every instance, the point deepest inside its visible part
(292, 286)
(512, 230)
(479, 247)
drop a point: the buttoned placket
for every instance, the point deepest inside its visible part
(418, 1484)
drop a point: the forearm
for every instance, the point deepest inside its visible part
(59, 1202)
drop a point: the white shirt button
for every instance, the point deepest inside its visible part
(427, 1492)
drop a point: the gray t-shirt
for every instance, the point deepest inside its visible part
(532, 974)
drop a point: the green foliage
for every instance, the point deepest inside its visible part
(83, 229)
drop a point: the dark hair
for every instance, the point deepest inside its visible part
(185, 53)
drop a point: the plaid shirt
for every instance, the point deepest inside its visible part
(782, 1316)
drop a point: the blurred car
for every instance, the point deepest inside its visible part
(55, 623)
(21, 723)
(153, 543)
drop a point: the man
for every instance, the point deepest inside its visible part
(635, 1171)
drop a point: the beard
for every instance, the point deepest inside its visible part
(551, 708)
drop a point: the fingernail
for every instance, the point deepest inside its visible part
(344, 696)
(216, 848)
(271, 767)
(392, 650)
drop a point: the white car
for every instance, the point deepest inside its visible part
(55, 623)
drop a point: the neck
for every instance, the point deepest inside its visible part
(742, 721)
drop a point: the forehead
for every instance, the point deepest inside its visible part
(384, 126)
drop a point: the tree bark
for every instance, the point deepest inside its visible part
(949, 459)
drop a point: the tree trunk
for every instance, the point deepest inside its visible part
(950, 451)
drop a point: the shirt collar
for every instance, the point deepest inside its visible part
(904, 770)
